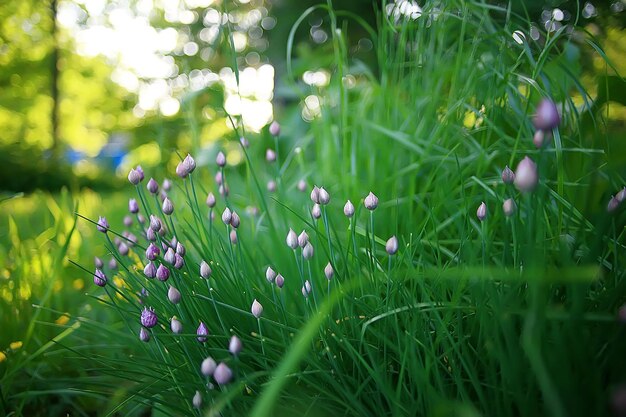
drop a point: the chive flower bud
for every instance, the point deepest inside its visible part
(227, 215)
(103, 224)
(541, 138)
(371, 201)
(613, 205)
(99, 278)
(150, 235)
(301, 186)
(223, 190)
(162, 273)
(274, 128)
(182, 170)
(144, 335)
(140, 171)
(324, 196)
(509, 207)
(222, 374)
(169, 256)
(316, 211)
(98, 262)
(392, 245)
(152, 186)
(152, 252)
(526, 177)
(112, 263)
(133, 207)
(306, 290)
(303, 239)
(150, 270)
(202, 332)
(134, 177)
(257, 309)
(219, 178)
(481, 212)
(155, 223)
(180, 249)
(174, 295)
(190, 163)
(270, 274)
(176, 326)
(271, 186)
(141, 219)
(315, 194)
(197, 400)
(244, 142)
(307, 251)
(123, 249)
(328, 271)
(547, 116)
(210, 200)
(220, 160)
(270, 155)
(280, 281)
(167, 184)
(233, 237)
(508, 176)
(621, 195)
(208, 366)
(348, 209)
(235, 345)
(148, 318)
(179, 262)
(292, 239)
(168, 207)
(128, 221)
(235, 221)
(205, 270)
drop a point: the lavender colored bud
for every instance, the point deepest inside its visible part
(112, 263)
(180, 249)
(271, 186)
(227, 215)
(392, 245)
(162, 196)
(152, 186)
(210, 200)
(244, 142)
(134, 177)
(197, 400)
(169, 256)
(168, 207)
(316, 211)
(315, 194)
(103, 224)
(150, 270)
(179, 262)
(208, 366)
(305, 293)
(481, 212)
(274, 128)
(329, 271)
(257, 309)
(140, 171)
(280, 281)
(212, 216)
(148, 318)
(99, 278)
(621, 314)
(144, 335)
(133, 207)
(303, 239)
(233, 237)
(167, 184)
(307, 286)
(526, 177)
(205, 270)
(508, 176)
(307, 251)
(98, 262)
(547, 116)
(509, 207)
(324, 196)
(176, 326)
(152, 252)
(141, 219)
(348, 209)
(235, 345)
(116, 241)
(270, 155)
(202, 332)
(222, 374)
(235, 221)
(150, 235)
(155, 223)
(292, 239)
(174, 295)
(621, 195)
(190, 163)
(301, 186)
(223, 190)
(541, 138)
(270, 274)
(219, 178)
(371, 201)
(123, 249)
(128, 221)
(613, 205)
(220, 160)
(182, 170)
(162, 273)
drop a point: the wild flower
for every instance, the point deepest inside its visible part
(481, 212)
(202, 332)
(134, 177)
(222, 374)
(144, 335)
(270, 274)
(307, 251)
(150, 270)
(303, 239)
(348, 209)
(316, 211)
(328, 271)
(176, 326)
(168, 207)
(155, 223)
(235, 221)
(220, 159)
(148, 318)
(167, 184)
(103, 224)
(509, 207)
(210, 200)
(205, 270)
(292, 239)
(152, 186)
(99, 278)
(547, 116)
(207, 367)
(256, 309)
(315, 194)
(371, 202)
(173, 295)
(392, 245)
(227, 215)
(508, 176)
(270, 155)
(169, 256)
(162, 273)
(133, 207)
(152, 252)
(324, 196)
(274, 128)
(280, 281)
(526, 176)
(235, 345)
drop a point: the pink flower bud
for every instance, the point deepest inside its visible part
(244, 142)
(307, 251)
(324, 196)
(197, 400)
(163, 273)
(98, 262)
(348, 209)
(541, 138)
(621, 195)
(205, 270)
(270, 155)
(102, 225)
(227, 215)
(371, 201)
(526, 177)
(152, 186)
(481, 213)
(210, 200)
(280, 281)
(168, 207)
(134, 177)
(509, 207)
(99, 278)
(235, 345)
(292, 239)
(190, 163)
(315, 195)
(150, 270)
(220, 160)
(392, 245)
(233, 237)
(613, 205)
(155, 223)
(508, 176)
(274, 128)
(173, 295)
(208, 366)
(202, 332)
(222, 374)
(144, 335)
(123, 249)
(180, 249)
(271, 186)
(128, 221)
(316, 211)
(167, 184)
(133, 207)
(219, 178)
(169, 256)
(303, 239)
(270, 274)
(176, 326)
(547, 116)
(301, 186)
(328, 271)
(223, 190)
(235, 221)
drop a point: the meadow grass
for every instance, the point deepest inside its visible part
(501, 316)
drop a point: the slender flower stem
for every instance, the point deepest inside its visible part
(372, 249)
(330, 246)
(262, 342)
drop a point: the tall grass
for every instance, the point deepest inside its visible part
(505, 316)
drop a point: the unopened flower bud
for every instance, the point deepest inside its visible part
(541, 138)
(150, 235)
(182, 170)
(208, 366)
(140, 171)
(150, 270)
(274, 128)
(371, 201)
(316, 211)
(508, 176)
(163, 273)
(190, 163)
(235, 345)
(180, 249)
(205, 270)
(307, 251)
(144, 335)
(152, 252)
(481, 212)
(223, 190)
(169, 256)
(547, 116)
(202, 332)
(392, 245)
(280, 281)
(197, 400)
(168, 207)
(222, 374)
(270, 274)
(141, 219)
(112, 263)
(526, 177)
(174, 295)
(148, 318)
(303, 239)
(133, 207)
(103, 224)
(128, 221)
(348, 209)
(613, 205)
(271, 186)
(176, 326)
(270, 155)
(220, 160)
(257, 309)
(233, 237)
(324, 196)
(621, 195)
(98, 262)
(292, 239)
(210, 200)
(328, 271)
(123, 248)
(315, 194)
(301, 186)
(509, 207)
(155, 223)
(99, 278)
(227, 215)
(167, 184)
(152, 186)
(219, 178)
(235, 221)
(134, 177)
(179, 262)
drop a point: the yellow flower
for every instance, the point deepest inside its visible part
(3, 357)
(78, 284)
(15, 345)
(63, 319)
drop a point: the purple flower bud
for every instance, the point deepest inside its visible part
(99, 278)
(481, 212)
(210, 200)
(274, 128)
(235, 221)
(112, 263)
(98, 262)
(148, 318)
(222, 374)
(205, 270)
(227, 215)
(348, 209)
(613, 205)
(179, 262)
(134, 177)
(202, 332)
(547, 116)
(235, 345)
(621, 195)
(176, 326)
(371, 201)
(197, 400)
(509, 207)
(526, 177)
(324, 196)
(167, 184)
(152, 252)
(307, 251)
(233, 237)
(180, 249)
(280, 281)
(169, 256)
(168, 207)
(271, 186)
(144, 335)
(133, 207)
(392, 245)
(301, 186)
(244, 142)
(328, 271)
(292, 239)
(315, 195)
(219, 178)
(223, 190)
(270, 274)
(155, 223)
(541, 138)
(103, 224)
(140, 171)
(152, 186)
(316, 211)
(303, 239)
(190, 163)
(128, 221)
(150, 270)
(508, 176)
(174, 295)
(123, 249)
(270, 155)
(141, 219)
(220, 159)
(150, 235)
(182, 170)
(257, 309)
(162, 273)
(208, 366)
